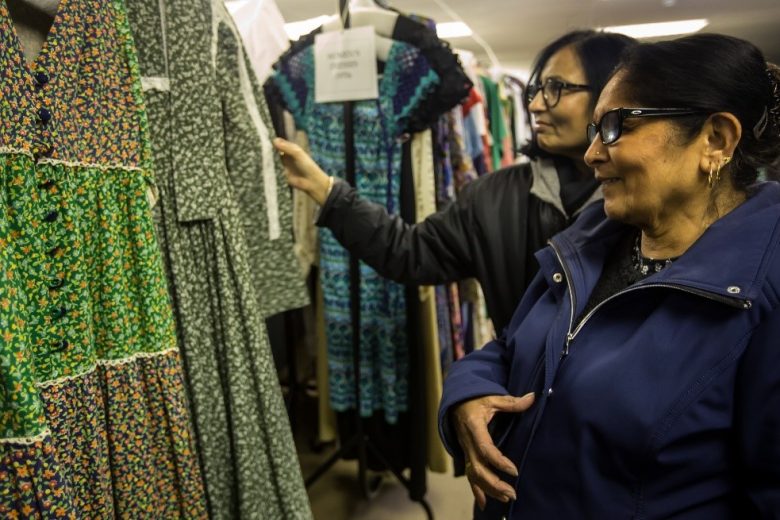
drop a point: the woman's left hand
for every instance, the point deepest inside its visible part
(482, 456)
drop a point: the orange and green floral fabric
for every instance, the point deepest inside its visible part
(93, 413)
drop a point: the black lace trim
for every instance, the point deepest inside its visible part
(454, 85)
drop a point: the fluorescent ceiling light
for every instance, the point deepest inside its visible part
(453, 30)
(651, 30)
(295, 30)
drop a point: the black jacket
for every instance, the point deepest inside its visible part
(490, 233)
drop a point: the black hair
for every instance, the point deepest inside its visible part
(598, 52)
(712, 73)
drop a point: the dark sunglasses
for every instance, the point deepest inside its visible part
(611, 125)
(551, 90)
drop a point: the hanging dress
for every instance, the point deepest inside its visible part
(378, 124)
(93, 414)
(214, 191)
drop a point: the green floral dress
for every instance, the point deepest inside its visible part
(94, 420)
(228, 251)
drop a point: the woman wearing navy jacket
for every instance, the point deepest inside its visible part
(640, 374)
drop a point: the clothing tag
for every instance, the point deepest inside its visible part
(345, 65)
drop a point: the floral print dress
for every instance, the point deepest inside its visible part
(228, 263)
(94, 420)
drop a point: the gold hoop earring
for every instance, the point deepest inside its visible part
(714, 176)
(720, 165)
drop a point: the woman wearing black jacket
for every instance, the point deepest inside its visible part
(500, 220)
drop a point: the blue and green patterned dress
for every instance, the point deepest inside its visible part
(378, 127)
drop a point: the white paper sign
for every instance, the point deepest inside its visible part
(345, 65)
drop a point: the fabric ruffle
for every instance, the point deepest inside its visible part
(118, 442)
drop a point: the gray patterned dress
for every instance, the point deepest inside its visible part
(224, 220)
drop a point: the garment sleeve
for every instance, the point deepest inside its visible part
(257, 180)
(437, 250)
(415, 81)
(758, 418)
(453, 86)
(484, 372)
(293, 82)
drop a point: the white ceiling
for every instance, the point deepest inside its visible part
(517, 29)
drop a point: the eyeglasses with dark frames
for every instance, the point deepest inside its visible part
(610, 127)
(551, 90)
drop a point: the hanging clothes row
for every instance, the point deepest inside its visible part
(124, 395)
(496, 121)
(481, 135)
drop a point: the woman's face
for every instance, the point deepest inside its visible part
(560, 130)
(651, 175)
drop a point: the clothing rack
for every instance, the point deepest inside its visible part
(361, 440)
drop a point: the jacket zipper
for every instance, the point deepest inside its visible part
(572, 299)
(538, 413)
(734, 302)
(571, 334)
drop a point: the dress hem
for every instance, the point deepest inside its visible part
(107, 362)
(53, 382)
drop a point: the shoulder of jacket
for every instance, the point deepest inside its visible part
(510, 179)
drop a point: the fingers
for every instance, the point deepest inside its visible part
(481, 450)
(484, 458)
(509, 403)
(284, 146)
(479, 496)
(492, 457)
(488, 482)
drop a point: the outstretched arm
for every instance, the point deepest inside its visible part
(437, 250)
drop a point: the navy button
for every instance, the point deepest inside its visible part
(45, 185)
(57, 283)
(44, 115)
(41, 78)
(53, 251)
(59, 313)
(51, 216)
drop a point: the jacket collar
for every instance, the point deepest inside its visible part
(546, 186)
(730, 260)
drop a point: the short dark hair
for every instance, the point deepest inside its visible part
(713, 73)
(598, 52)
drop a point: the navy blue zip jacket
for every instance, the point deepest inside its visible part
(664, 402)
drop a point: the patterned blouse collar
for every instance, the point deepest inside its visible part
(61, 45)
